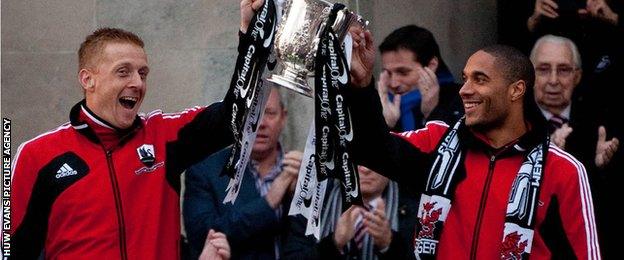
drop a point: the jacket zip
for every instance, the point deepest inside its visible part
(120, 219)
(484, 196)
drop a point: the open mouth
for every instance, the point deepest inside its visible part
(128, 102)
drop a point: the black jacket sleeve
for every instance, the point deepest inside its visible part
(375, 147)
(300, 246)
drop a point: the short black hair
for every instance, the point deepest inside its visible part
(413, 38)
(517, 66)
(419, 41)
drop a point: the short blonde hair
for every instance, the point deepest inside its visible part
(94, 44)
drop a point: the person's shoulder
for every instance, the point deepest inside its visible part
(158, 115)
(213, 162)
(432, 127)
(426, 138)
(563, 163)
(152, 117)
(51, 137)
(45, 146)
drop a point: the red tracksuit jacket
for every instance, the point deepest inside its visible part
(474, 226)
(564, 227)
(76, 196)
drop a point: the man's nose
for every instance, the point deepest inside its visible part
(136, 80)
(553, 78)
(263, 123)
(394, 82)
(465, 90)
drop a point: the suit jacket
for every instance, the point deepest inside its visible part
(585, 118)
(250, 224)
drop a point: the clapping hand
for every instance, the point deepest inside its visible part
(377, 226)
(605, 149)
(547, 8)
(600, 10)
(391, 109)
(429, 90)
(291, 165)
(559, 136)
(216, 247)
(345, 228)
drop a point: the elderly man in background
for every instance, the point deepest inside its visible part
(577, 127)
(254, 224)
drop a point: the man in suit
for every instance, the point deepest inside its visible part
(384, 230)
(557, 73)
(254, 223)
(578, 128)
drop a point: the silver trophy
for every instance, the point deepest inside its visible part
(297, 38)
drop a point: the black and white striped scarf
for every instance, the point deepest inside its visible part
(435, 202)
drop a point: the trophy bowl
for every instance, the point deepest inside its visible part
(297, 38)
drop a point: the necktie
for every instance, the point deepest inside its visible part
(360, 236)
(359, 233)
(556, 122)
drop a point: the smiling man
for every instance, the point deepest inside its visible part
(416, 76)
(494, 186)
(106, 185)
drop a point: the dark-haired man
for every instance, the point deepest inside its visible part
(421, 84)
(106, 185)
(496, 188)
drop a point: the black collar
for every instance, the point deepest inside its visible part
(533, 137)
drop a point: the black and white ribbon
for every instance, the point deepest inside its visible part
(334, 131)
(327, 152)
(252, 121)
(306, 180)
(247, 87)
(310, 190)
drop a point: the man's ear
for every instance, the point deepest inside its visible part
(577, 76)
(517, 90)
(433, 64)
(85, 77)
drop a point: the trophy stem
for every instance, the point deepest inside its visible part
(292, 79)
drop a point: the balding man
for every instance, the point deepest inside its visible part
(557, 73)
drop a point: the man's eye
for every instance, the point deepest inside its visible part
(402, 72)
